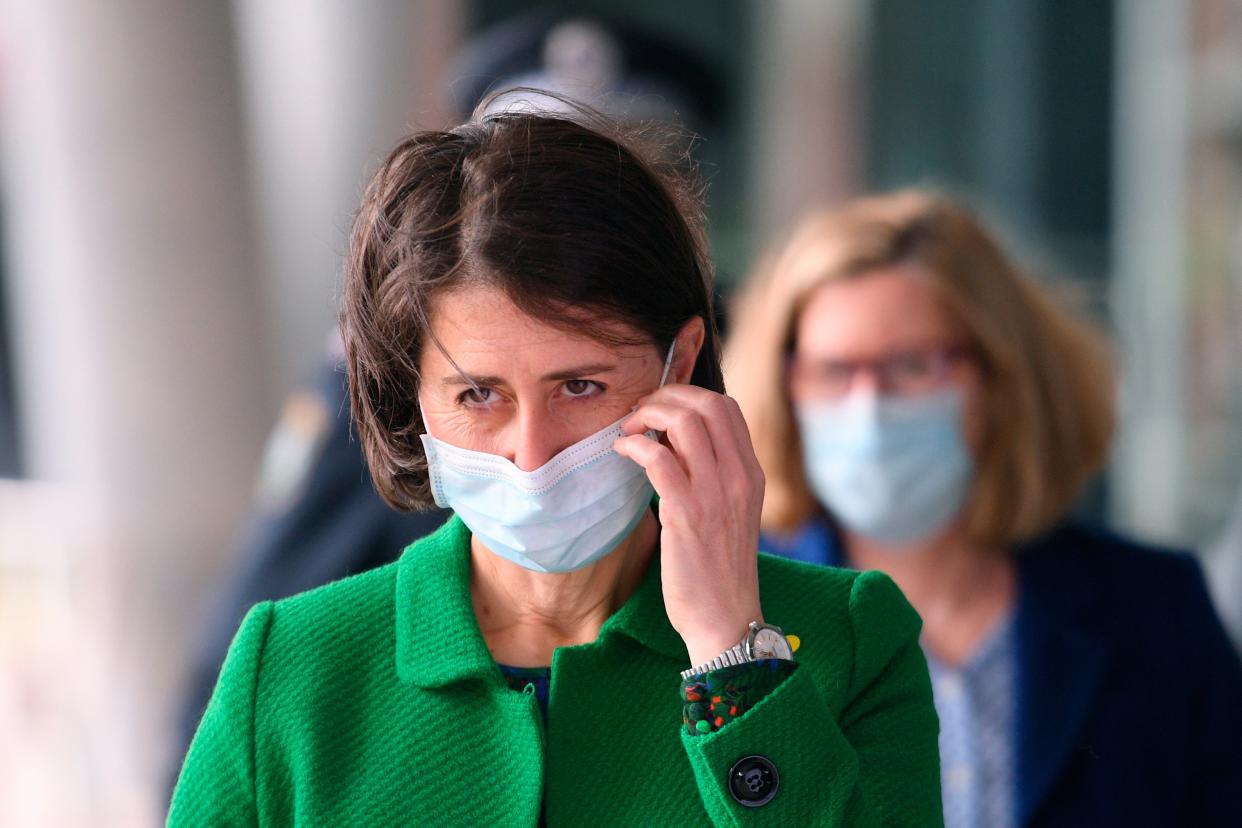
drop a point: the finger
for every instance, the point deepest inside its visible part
(739, 428)
(735, 456)
(745, 443)
(667, 476)
(686, 432)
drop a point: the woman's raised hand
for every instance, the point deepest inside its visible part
(711, 491)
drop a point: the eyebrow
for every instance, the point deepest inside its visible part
(575, 372)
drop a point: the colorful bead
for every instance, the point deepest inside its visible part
(732, 691)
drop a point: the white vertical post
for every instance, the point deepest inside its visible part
(329, 87)
(1152, 127)
(809, 111)
(139, 337)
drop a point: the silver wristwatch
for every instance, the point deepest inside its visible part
(761, 641)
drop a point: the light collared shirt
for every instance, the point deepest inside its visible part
(976, 704)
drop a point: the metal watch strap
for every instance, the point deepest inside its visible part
(734, 655)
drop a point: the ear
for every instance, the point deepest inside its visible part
(686, 353)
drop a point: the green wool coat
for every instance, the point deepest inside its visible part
(374, 701)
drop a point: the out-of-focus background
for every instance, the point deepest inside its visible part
(177, 183)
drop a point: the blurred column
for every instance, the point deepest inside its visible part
(139, 338)
(330, 86)
(809, 111)
(1007, 132)
(1150, 265)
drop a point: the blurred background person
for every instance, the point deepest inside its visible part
(921, 408)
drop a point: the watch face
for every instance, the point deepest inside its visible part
(770, 643)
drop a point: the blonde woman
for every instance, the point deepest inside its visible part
(921, 408)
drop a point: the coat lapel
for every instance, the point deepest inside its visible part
(1063, 652)
(438, 638)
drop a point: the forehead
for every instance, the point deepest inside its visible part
(875, 313)
(480, 323)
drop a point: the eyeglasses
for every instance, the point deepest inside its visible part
(906, 373)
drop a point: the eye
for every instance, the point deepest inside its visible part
(912, 366)
(837, 372)
(480, 397)
(581, 388)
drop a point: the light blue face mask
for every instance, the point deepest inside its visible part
(569, 512)
(890, 469)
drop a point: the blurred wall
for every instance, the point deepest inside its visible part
(329, 86)
(142, 370)
(178, 179)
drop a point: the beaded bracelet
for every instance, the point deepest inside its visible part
(712, 700)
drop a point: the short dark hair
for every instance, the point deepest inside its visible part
(571, 219)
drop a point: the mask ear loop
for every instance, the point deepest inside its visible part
(422, 413)
(668, 363)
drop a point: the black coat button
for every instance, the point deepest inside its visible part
(753, 781)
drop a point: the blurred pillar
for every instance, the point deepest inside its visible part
(139, 338)
(1149, 265)
(1007, 132)
(330, 86)
(809, 108)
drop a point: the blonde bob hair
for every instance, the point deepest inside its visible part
(1047, 377)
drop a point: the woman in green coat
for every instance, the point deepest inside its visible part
(530, 343)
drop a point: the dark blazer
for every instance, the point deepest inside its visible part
(1130, 694)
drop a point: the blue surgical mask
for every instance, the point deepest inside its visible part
(568, 513)
(890, 469)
